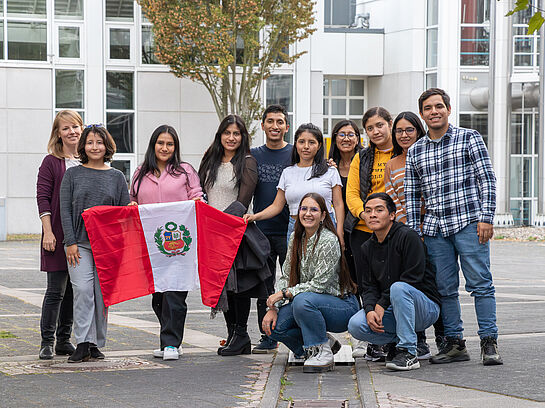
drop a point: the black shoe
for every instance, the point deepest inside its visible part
(96, 353)
(81, 354)
(489, 352)
(230, 331)
(64, 349)
(375, 353)
(390, 349)
(240, 343)
(454, 350)
(423, 350)
(46, 352)
(403, 361)
(265, 345)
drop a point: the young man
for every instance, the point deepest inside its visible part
(271, 158)
(450, 168)
(398, 286)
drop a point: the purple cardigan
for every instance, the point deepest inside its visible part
(48, 189)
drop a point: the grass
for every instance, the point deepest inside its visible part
(499, 237)
(7, 335)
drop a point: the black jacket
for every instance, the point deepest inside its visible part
(400, 257)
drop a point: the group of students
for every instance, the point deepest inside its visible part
(336, 227)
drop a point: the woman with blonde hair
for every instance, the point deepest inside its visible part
(57, 304)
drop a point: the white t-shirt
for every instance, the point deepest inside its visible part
(295, 183)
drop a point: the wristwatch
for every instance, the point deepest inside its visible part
(284, 293)
(271, 308)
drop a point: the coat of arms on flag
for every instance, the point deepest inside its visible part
(173, 239)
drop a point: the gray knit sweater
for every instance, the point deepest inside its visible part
(83, 188)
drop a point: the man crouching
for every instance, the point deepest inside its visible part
(398, 287)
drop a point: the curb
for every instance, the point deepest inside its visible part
(272, 388)
(365, 384)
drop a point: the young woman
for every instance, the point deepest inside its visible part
(57, 304)
(316, 282)
(91, 184)
(345, 143)
(366, 176)
(228, 173)
(407, 129)
(308, 172)
(164, 178)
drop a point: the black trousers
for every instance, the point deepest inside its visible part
(278, 251)
(57, 309)
(171, 310)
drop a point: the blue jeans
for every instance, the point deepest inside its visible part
(291, 225)
(444, 253)
(411, 311)
(304, 321)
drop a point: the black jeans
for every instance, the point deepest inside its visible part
(278, 251)
(171, 310)
(57, 309)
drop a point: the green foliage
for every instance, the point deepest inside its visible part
(6, 335)
(535, 22)
(229, 46)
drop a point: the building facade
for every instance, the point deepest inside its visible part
(96, 57)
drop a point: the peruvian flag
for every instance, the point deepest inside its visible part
(150, 248)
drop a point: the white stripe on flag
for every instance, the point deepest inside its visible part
(170, 230)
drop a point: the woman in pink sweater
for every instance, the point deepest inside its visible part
(164, 178)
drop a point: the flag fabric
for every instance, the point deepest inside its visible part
(149, 248)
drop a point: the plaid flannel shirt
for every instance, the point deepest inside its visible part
(455, 177)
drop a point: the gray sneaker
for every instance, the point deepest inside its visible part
(489, 352)
(454, 350)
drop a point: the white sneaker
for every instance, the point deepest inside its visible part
(170, 353)
(158, 353)
(360, 349)
(320, 359)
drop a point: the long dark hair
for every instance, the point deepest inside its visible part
(334, 152)
(149, 165)
(208, 170)
(319, 164)
(384, 114)
(345, 283)
(415, 121)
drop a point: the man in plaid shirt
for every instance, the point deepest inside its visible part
(451, 169)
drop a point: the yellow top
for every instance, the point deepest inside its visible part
(353, 199)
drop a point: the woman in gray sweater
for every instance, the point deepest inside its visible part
(93, 183)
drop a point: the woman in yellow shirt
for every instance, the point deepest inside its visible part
(365, 177)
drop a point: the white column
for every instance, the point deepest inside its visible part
(94, 55)
(448, 52)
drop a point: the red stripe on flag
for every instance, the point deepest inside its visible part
(219, 237)
(120, 252)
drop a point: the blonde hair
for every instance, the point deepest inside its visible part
(54, 146)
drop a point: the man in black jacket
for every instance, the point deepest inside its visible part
(398, 286)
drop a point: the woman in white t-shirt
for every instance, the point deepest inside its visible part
(309, 173)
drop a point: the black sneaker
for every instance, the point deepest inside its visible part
(81, 354)
(375, 353)
(423, 350)
(489, 352)
(390, 349)
(403, 361)
(454, 350)
(265, 345)
(96, 354)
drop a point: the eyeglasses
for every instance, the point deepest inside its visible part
(94, 125)
(313, 210)
(346, 135)
(409, 131)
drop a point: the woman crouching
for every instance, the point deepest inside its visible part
(316, 282)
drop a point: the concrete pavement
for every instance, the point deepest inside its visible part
(202, 379)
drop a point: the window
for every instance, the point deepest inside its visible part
(525, 47)
(120, 109)
(69, 90)
(148, 45)
(1, 39)
(69, 10)
(26, 33)
(343, 98)
(340, 13)
(431, 33)
(279, 90)
(69, 42)
(120, 43)
(431, 80)
(120, 10)
(476, 121)
(475, 29)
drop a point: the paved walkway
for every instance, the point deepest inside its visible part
(132, 377)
